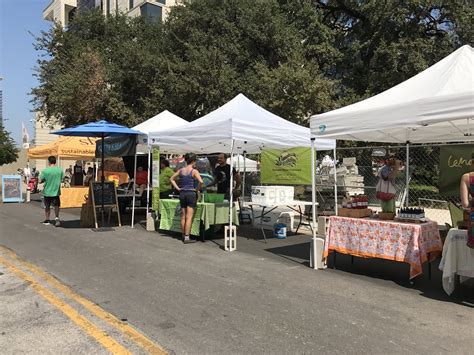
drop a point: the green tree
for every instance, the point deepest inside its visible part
(296, 58)
(98, 67)
(386, 42)
(8, 149)
(215, 49)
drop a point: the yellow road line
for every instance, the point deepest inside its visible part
(126, 329)
(98, 334)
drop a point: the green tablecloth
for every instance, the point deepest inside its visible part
(208, 213)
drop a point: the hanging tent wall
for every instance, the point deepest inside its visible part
(238, 126)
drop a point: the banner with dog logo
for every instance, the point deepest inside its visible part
(286, 166)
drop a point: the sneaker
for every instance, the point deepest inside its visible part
(46, 222)
(57, 223)
(187, 239)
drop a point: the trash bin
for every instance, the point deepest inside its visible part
(279, 231)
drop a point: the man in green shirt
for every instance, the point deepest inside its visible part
(165, 183)
(52, 177)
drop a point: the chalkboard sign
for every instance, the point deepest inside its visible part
(108, 198)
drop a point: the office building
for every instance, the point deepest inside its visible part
(62, 11)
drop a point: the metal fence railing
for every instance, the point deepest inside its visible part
(357, 174)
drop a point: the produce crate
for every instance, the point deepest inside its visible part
(355, 212)
(386, 216)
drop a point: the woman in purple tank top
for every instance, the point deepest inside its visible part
(187, 193)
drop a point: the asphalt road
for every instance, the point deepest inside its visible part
(198, 299)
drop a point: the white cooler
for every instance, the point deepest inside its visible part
(273, 195)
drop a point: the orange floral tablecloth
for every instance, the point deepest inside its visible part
(403, 242)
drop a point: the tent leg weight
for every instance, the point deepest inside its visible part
(230, 238)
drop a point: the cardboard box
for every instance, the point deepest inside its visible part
(386, 216)
(354, 212)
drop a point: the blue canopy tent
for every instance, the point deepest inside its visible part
(100, 129)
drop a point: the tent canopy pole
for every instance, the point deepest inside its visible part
(134, 187)
(313, 204)
(148, 181)
(231, 195)
(407, 175)
(243, 178)
(102, 179)
(335, 183)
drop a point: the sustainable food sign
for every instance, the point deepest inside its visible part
(286, 167)
(454, 161)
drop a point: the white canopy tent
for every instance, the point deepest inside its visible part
(242, 121)
(434, 106)
(162, 121)
(239, 126)
(242, 162)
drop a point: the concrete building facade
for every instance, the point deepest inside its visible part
(60, 11)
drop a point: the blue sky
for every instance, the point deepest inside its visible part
(17, 59)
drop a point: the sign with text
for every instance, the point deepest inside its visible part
(286, 167)
(118, 146)
(454, 161)
(107, 196)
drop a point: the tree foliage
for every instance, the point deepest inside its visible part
(98, 67)
(8, 149)
(295, 58)
(386, 42)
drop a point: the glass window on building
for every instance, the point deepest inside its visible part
(130, 4)
(153, 12)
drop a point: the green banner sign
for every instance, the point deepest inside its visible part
(155, 192)
(454, 161)
(286, 167)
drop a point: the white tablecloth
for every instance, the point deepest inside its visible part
(457, 259)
